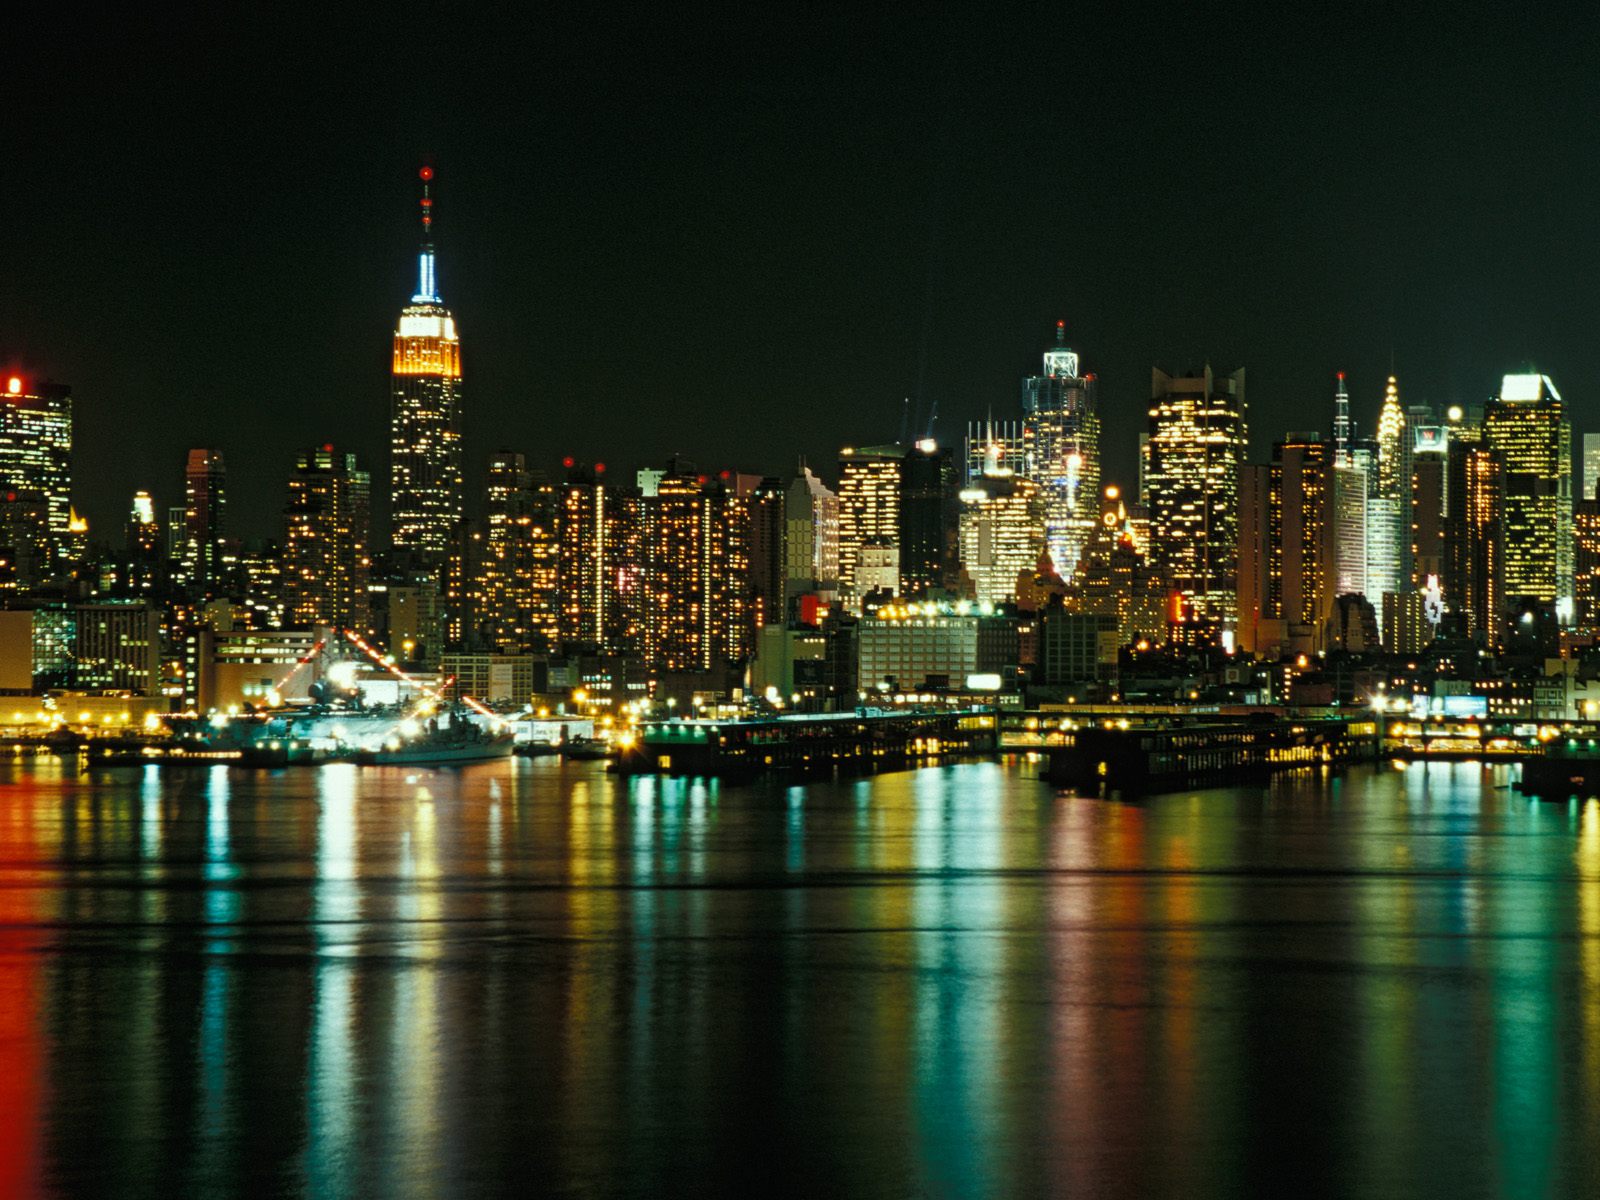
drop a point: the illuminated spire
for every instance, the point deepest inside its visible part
(1391, 433)
(1341, 424)
(427, 292)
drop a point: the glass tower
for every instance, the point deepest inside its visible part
(1195, 449)
(1527, 424)
(1062, 431)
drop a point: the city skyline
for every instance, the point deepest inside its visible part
(1294, 267)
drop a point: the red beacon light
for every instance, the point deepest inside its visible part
(599, 468)
(425, 174)
(569, 462)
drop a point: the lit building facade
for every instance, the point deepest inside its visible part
(1591, 465)
(1388, 529)
(1004, 525)
(596, 562)
(994, 446)
(1191, 461)
(696, 609)
(869, 507)
(36, 453)
(1586, 564)
(1474, 548)
(1527, 425)
(1062, 434)
(425, 413)
(205, 519)
(327, 534)
(811, 537)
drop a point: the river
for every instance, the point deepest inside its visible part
(533, 978)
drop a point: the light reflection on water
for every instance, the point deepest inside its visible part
(534, 977)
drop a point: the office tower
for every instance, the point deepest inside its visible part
(1115, 579)
(144, 532)
(869, 507)
(1591, 465)
(590, 559)
(544, 556)
(1062, 430)
(177, 531)
(36, 452)
(1428, 512)
(1352, 569)
(1196, 445)
(929, 538)
(1301, 572)
(811, 539)
(767, 513)
(327, 532)
(27, 553)
(1004, 525)
(694, 538)
(1474, 584)
(1527, 424)
(204, 519)
(504, 585)
(1586, 564)
(1256, 605)
(995, 445)
(425, 415)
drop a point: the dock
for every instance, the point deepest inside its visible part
(853, 743)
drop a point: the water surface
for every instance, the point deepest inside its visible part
(532, 978)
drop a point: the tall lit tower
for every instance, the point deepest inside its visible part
(36, 452)
(1061, 427)
(1191, 463)
(425, 417)
(1527, 424)
(1389, 503)
(325, 547)
(204, 518)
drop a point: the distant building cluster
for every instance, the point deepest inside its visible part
(1446, 550)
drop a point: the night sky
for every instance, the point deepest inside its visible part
(751, 241)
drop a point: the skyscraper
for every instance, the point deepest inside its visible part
(992, 445)
(587, 571)
(425, 415)
(696, 610)
(36, 453)
(1003, 529)
(1389, 503)
(204, 519)
(1591, 465)
(505, 587)
(327, 531)
(1062, 430)
(929, 535)
(1527, 424)
(1429, 446)
(869, 507)
(1474, 539)
(811, 539)
(1196, 446)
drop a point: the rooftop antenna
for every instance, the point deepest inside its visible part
(425, 280)
(905, 419)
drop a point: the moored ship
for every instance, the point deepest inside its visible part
(444, 741)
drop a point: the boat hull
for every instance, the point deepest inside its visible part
(436, 756)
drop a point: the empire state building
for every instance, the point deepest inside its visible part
(425, 416)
